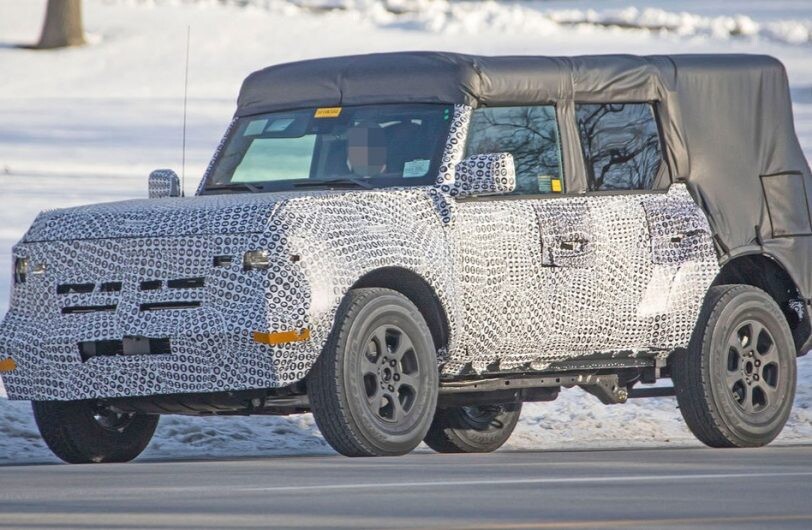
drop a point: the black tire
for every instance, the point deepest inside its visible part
(736, 382)
(82, 432)
(373, 390)
(478, 429)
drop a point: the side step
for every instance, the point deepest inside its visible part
(606, 387)
(666, 391)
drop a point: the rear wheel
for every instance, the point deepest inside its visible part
(82, 432)
(373, 390)
(475, 429)
(736, 382)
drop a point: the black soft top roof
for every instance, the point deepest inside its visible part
(726, 122)
(440, 77)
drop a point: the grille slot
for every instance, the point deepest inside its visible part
(160, 306)
(186, 283)
(129, 345)
(223, 261)
(79, 309)
(150, 285)
(110, 287)
(68, 288)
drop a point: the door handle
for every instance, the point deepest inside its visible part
(679, 237)
(575, 245)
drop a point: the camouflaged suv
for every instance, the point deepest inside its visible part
(411, 245)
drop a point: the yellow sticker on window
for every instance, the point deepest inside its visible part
(555, 185)
(327, 112)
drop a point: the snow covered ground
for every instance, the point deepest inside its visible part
(87, 125)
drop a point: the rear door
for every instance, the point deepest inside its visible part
(655, 245)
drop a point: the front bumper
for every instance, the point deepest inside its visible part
(185, 319)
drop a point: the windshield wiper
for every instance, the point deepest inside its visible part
(353, 181)
(235, 186)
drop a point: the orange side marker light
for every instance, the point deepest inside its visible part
(282, 337)
(7, 365)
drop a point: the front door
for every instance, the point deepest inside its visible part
(511, 271)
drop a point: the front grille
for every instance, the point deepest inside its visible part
(94, 304)
(129, 345)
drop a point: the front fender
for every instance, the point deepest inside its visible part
(340, 239)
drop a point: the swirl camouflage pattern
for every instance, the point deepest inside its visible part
(172, 269)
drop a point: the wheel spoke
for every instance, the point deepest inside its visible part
(397, 408)
(768, 393)
(747, 402)
(376, 399)
(731, 378)
(409, 380)
(755, 332)
(380, 337)
(404, 345)
(735, 343)
(745, 335)
(368, 366)
(770, 356)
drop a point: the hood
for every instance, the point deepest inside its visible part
(170, 217)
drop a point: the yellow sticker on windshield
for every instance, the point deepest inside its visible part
(327, 112)
(555, 185)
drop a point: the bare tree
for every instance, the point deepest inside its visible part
(63, 25)
(621, 145)
(528, 133)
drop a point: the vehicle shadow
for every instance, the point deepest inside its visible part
(421, 453)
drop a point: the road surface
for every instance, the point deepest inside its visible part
(650, 488)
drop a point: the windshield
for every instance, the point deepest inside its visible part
(369, 146)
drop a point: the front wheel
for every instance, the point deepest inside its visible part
(474, 429)
(83, 432)
(736, 382)
(373, 390)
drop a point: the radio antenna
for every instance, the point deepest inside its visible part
(185, 104)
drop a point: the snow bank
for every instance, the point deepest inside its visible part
(86, 125)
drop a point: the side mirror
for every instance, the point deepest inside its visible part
(488, 174)
(164, 183)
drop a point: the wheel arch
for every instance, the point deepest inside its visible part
(768, 274)
(417, 289)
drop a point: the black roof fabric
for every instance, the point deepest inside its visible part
(438, 77)
(726, 122)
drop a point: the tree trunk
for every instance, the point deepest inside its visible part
(63, 25)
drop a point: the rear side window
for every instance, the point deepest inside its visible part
(621, 144)
(530, 134)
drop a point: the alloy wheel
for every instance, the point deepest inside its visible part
(391, 374)
(752, 367)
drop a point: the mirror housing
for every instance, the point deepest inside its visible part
(488, 174)
(164, 183)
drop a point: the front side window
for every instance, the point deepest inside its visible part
(530, 134)
(367, 146)
(621, 145)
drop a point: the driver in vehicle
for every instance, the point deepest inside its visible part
(366, 150)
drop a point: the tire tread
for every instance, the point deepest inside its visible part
(323, 385)
(690, 373)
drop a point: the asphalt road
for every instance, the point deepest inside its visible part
(655, 488)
